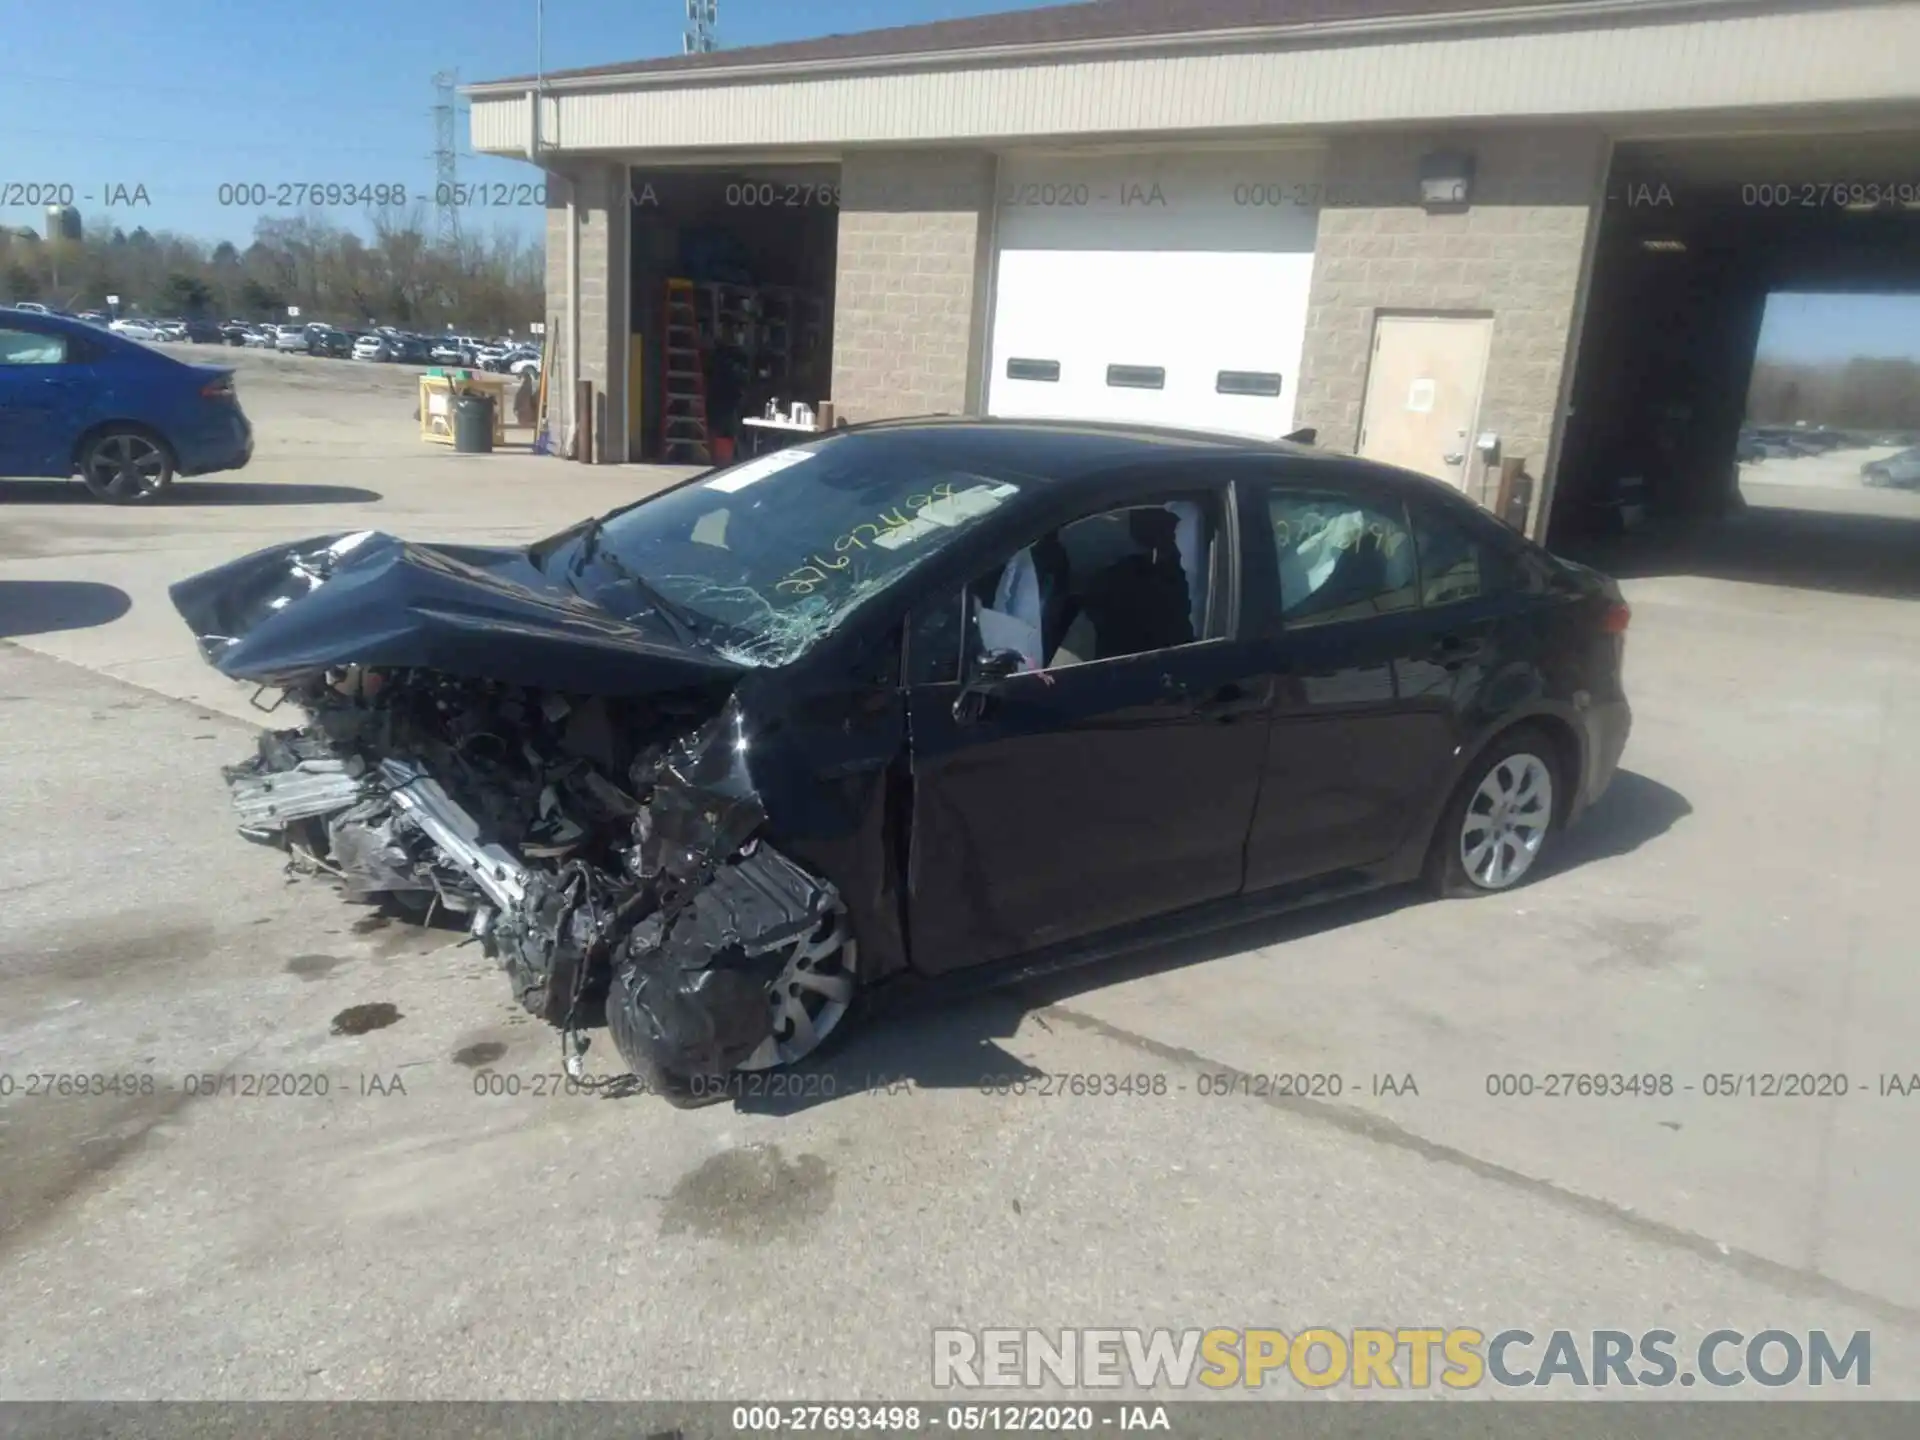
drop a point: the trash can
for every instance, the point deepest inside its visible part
(473, 424)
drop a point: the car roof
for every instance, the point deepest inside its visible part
(1069, 450)
(43, 317)
(1048, 449)
(71, 325)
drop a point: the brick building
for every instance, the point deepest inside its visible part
(1378, 219)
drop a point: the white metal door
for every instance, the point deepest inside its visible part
(1159, 288)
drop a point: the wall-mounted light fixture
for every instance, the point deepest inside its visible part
(1446, 180)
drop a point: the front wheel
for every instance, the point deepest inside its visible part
(1499, 820)
(676, 1026)
(126, 467)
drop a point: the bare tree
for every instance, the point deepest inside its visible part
(400, 275)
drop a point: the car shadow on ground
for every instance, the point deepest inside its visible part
(41, 607)
(954, 1044)
(192, 492)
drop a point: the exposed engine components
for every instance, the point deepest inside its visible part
(608, 864)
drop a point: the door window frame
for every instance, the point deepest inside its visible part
(1197, 479)
(1260, 597)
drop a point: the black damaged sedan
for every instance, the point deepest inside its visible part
(918, 699)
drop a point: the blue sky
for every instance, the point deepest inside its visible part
(185, 95)
(1815, 327)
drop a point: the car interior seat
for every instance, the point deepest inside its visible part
(1058, 605)
(1141, 602)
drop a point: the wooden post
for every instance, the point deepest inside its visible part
(1510, 469)
(1515, 497)
(583, 421)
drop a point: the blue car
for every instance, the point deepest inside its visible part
(76, 400)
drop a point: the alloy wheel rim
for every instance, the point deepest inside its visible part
(1506, 821)
(812, 995)
(126, 466)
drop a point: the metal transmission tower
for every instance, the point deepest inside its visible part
(446, 155)
(702, 16)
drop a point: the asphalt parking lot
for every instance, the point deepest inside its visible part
(1740, 904)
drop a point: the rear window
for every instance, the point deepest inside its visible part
(1462, 557)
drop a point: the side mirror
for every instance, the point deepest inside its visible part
(990, 671)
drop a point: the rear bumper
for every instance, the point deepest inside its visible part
(1608, 724)
(224, 442)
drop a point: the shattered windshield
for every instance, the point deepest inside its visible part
(778, 550)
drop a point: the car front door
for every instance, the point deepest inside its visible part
(41, 397)
(1332, 584)
(1113, 779)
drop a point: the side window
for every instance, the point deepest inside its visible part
(1455, 563)
(1117, 583)
(28, 347)
(1341, 558)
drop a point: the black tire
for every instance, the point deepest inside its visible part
(126, 465)
(632, 1032)
(694, 1049)
(1447, 875)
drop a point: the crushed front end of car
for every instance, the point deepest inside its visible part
(573, 787)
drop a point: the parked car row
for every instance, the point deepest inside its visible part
(1789, 442)
(382, 344)
(198, 332)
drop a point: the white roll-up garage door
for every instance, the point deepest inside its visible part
(1166, 288)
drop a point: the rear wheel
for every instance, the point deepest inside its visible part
(1498, 822)
(126, 466)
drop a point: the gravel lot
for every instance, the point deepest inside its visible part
(1742, 902)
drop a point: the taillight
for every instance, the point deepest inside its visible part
(220, 389)
(1614, 621)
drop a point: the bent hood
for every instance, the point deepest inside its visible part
(290, 612)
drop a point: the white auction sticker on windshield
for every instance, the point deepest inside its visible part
(967, 505)
(941, 514)
(754, 471)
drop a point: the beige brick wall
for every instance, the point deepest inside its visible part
(1517, 252)
(600, 196)
(910, 297)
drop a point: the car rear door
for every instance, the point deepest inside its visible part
(1479, 619)
(1332, 589)
(1085, 795)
